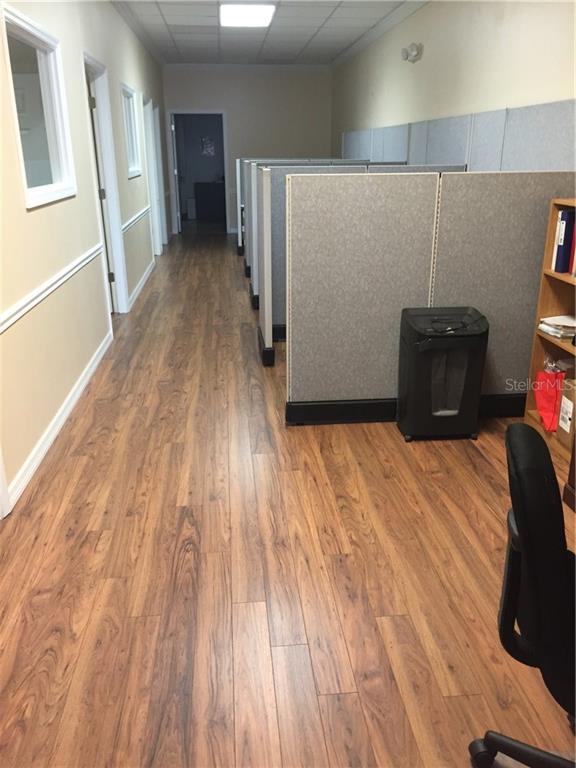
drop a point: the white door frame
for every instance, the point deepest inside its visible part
(174, 187)
(160, 175)
(152, 177)
(171, 154)
(98, 76)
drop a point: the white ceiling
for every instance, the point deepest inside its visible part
(316, 32)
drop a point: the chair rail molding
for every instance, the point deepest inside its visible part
(136, 218)
(20, 308)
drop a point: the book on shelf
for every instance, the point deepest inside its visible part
(559, 326)
(562, 252)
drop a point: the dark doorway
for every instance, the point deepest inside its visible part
(199, 141)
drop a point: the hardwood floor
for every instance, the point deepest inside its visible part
(187, 582)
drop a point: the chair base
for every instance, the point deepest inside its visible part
(483, 753)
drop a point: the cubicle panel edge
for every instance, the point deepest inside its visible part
(239, 239)
(360, 248)
(491, 232)
(264, 268)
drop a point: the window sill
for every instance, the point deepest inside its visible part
(50, 193)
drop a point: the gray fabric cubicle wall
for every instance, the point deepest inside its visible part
(279, 175)
(540, 138)
(343, 321)
(487, 141)
(251, 210)
(491, 233)
(375, 168)
(532, 138)
(390, 145)
(278, 222)
(357, 144)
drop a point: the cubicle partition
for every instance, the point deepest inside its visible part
(531, 138)
(239, 208)
(251, 211)
(491, 232)
(278, 236)
(272, 247)
(387, 168)
(243, 196)
(265, 264)
(362, 247)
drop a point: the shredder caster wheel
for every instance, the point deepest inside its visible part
(408, 438)
(474, 436)
(481, 756)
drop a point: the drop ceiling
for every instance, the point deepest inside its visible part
(301, 32)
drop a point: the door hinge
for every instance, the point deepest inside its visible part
(102, 194)
(171, 126)
(111, 277)
(92, 102)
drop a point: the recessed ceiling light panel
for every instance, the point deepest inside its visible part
(253, 15)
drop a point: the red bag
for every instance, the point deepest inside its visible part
(548, 395)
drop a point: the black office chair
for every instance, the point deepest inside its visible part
(537, 613)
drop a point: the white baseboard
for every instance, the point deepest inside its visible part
(141, 283)
(27, 470)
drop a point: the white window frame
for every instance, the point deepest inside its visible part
(55, 110)
(130, 102)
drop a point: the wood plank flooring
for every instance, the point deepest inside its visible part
(188, 583)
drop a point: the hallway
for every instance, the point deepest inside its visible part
(187, 582)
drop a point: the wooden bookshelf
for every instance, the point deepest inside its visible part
(556, 297)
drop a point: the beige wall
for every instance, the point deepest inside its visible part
(43, 354)
(137, 248)
(477, 57)
(270, 111)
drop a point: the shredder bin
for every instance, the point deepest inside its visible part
(442, 354)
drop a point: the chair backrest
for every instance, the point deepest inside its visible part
(539, 581)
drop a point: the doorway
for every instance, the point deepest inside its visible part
(200, 167)
(105, 162)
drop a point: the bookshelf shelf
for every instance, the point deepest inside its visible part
(564, 277)
(564, 344)
(557, 297)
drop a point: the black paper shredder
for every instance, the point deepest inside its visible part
(442, 353)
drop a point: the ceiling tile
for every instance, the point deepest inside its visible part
(195, 39)
(192, 29)
(144, 10)
(182, 8)
(197, 21)
(348, 23)
(302, 31)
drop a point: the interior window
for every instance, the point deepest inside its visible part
(41, 111)
(131, 132)
(38, 162)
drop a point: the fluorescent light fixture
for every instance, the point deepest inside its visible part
(253, 15)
